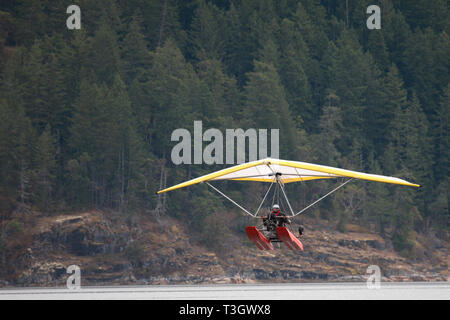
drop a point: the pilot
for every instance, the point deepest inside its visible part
(276, 216)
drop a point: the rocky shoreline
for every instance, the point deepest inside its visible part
(111, 252)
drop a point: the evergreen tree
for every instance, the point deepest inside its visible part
(17, 139)
(442, 138)
(330, 126)
(313, 35)
(383, 101)
(17, 136)
(135, 56)
(349, 79)
(378, 49)
(125, 148)
(420, 69)
(207, 32)
(104, 56)
(45, 168)
(439, 217)
(224, 100)
(293, 60)
(88, 139)
(170, 92)
(266, 106)
(409, 156)
(404, 216)
(379, 208)
(234, 51)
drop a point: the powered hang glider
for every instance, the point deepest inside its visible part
(279, 172)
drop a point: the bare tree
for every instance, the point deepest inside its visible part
(163, 22)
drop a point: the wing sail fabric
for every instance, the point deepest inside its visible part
(337, 172)
(287, 171)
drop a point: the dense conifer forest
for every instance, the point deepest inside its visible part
(86, 115)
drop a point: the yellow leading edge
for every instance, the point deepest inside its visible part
(286, 171)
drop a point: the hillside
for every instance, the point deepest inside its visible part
(111, 250)
(91, 117)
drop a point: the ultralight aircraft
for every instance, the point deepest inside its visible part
(279, 172)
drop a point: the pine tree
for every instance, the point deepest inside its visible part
(439, 216)
(45, 167)
(135, 56)
(104, 56)
(266, 106)
(294, 58)
(404, 216)
(382, 102)
(409, 156)
(171, 91)
(224, 100)
(18, 138)
(379, 208)
(420, 67)
(397, 36)
(442, 138)
(233, 34)
(378, 49)
(127, 150)
(88, 139)
(441, 48)
(44, 94)
(349, 78)
(330, 125)
(207, 32)
(418, 143)
(312, 33)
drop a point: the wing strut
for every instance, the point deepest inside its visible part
(341, 185)
(234, 202)
(280, 185)
(285, 196)
(237, 204)
(260, 205)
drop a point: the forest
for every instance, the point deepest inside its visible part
(86, 115)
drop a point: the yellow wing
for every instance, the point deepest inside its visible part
(286, 171)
